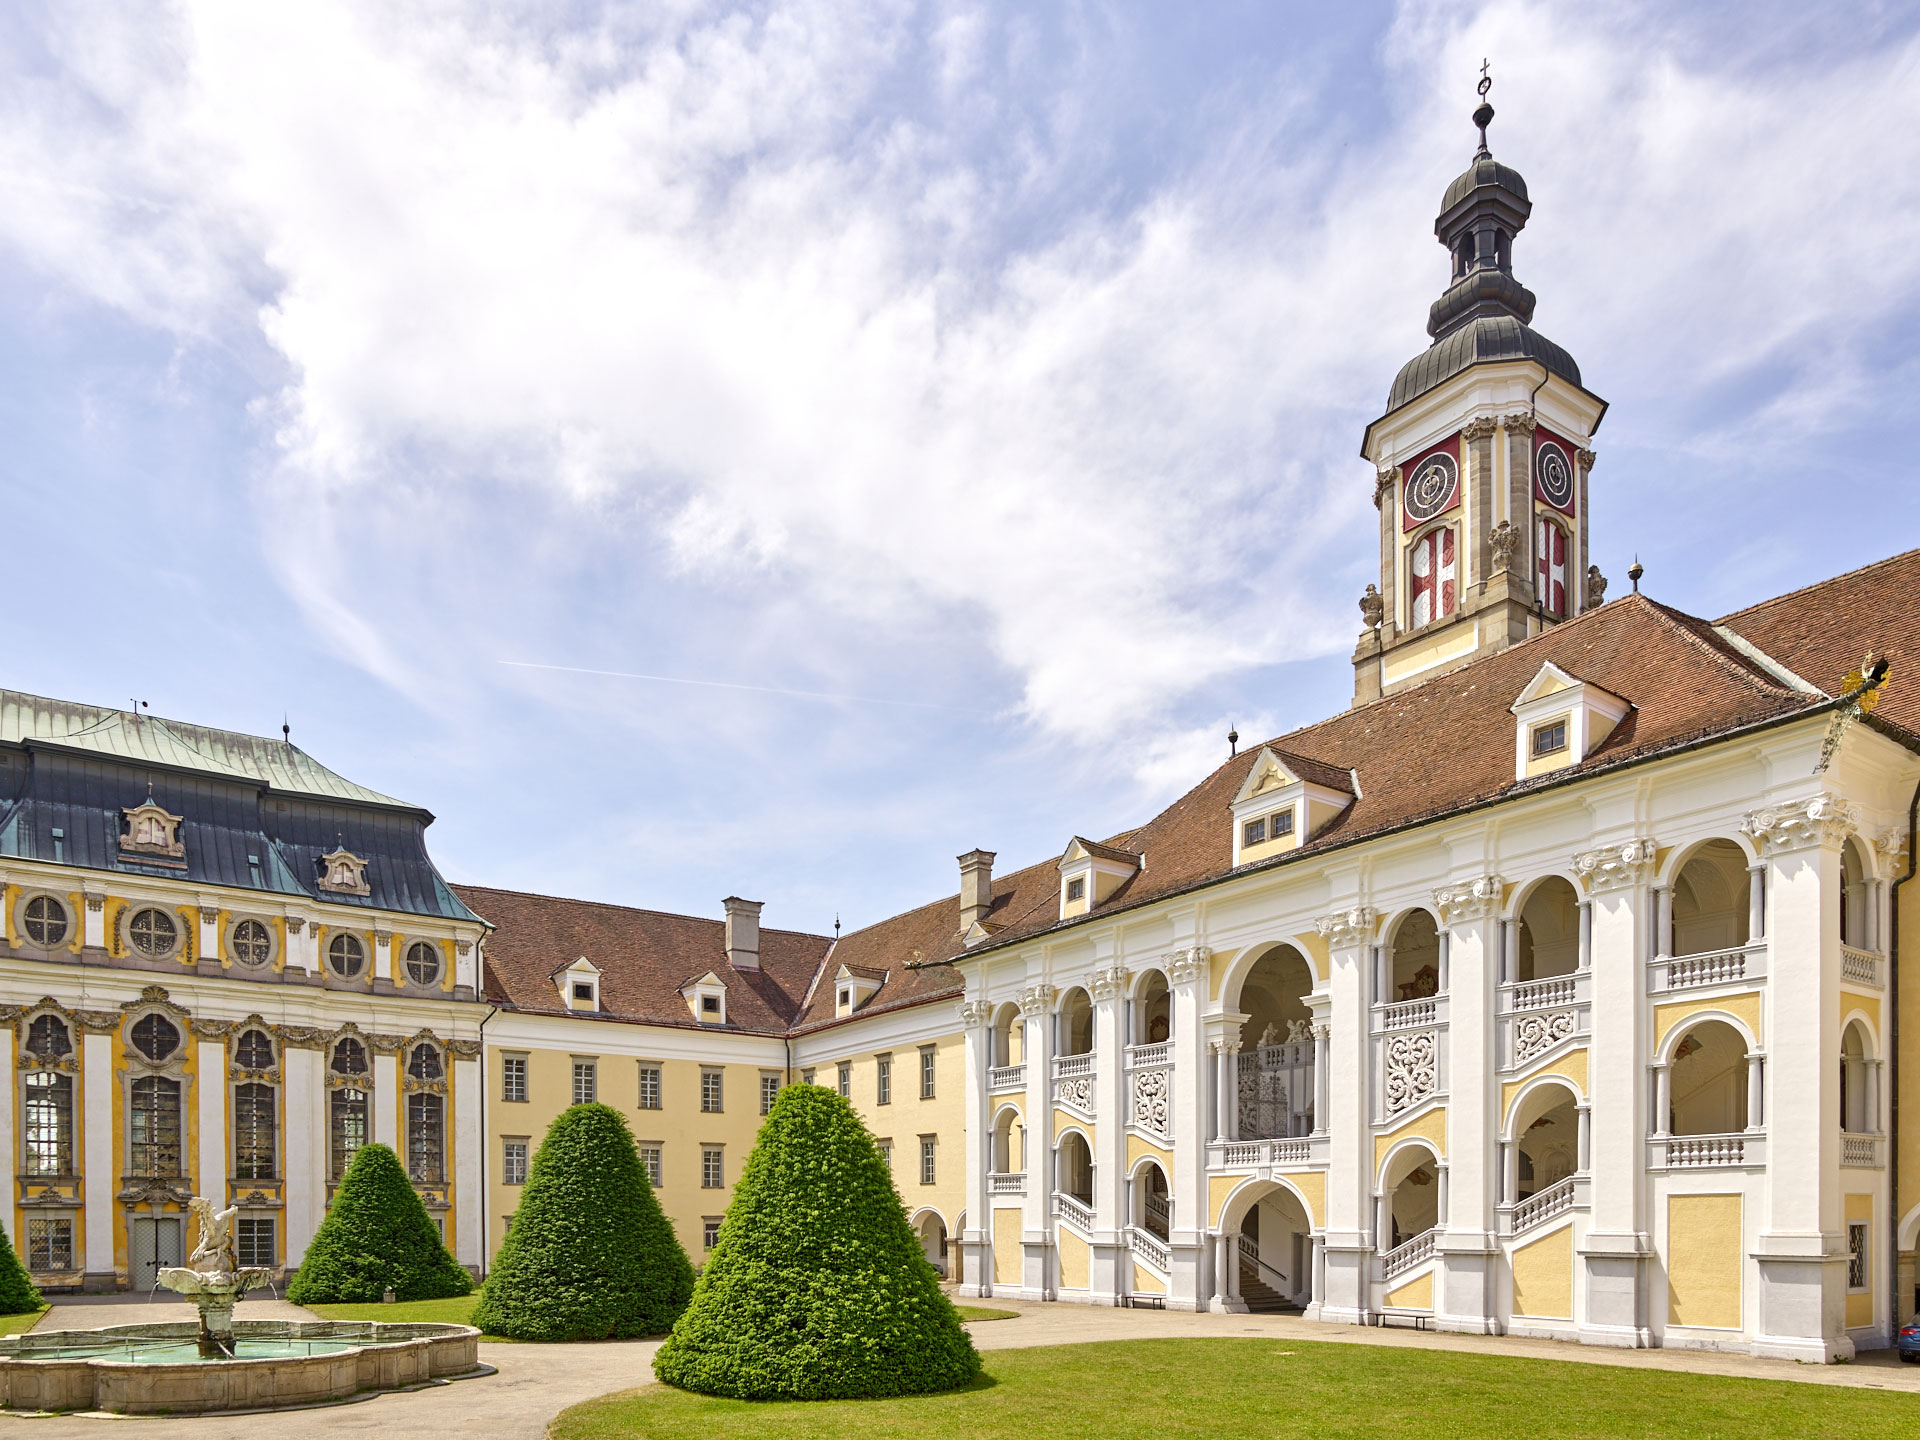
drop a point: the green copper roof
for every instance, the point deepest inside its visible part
(123, 735)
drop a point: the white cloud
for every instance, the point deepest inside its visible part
(690, 292)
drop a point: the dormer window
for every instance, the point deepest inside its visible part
(1549, 739)
(1283, 802)
(151, 830)
(1263, 828)
(854, 986)
(1560, 721)
(583, 992)
(1090, 873)
(845, 1001)
(579, 984)
(706, 997)
(344, 873)
(1077, 888)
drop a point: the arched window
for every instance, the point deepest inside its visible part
(346, 1127)
(47, 1116)
(424, 1062)
(349, 1057)
(154, 1131)
(1431, 575)
(255, 1153)
(346, 955)
(155, 1037)
(1550, 567)
(426, 1138)
(48, 1038)
(153, 932)
(423, 964)
(254, 1051)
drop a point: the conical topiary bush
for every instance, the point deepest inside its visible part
(591, 1256)
(17, 1293)
(817, 1289)
(376, 1237)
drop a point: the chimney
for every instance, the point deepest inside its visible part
(743, 932)
(976, 887)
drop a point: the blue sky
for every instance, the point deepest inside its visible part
(995, 372)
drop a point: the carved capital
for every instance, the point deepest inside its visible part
(1586, 458)
(1470, 900)
(1186, 966)
(1036, 1000)
(1109, 983)
(1801, 824)
(1384, 481)
(1611, 867)
(1345, 928)
(1892, 846)
(96, 900)
(295, 924)
(1518, 424)
(383, 937)
(462, 947)
(1478, 429)
(209, 914)
(975, 1014)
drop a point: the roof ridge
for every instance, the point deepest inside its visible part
(628, 909)
(1818, 584)
(1704, 638)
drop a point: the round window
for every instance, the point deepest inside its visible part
(45, 921)
(155, 1037)
(252, 943)
(423, 963)
(153, 932)
(346, 955)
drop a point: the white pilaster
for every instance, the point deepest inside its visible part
(8, 1069)
(1110, 1274)
(1187, 973)
(1036, 1226)
(976, 1240)
(469, 1148)
(305, 1105)
(96, 1176)
(386, 1103)
(1481, 951)
(212, 1090)
(1346, 1286)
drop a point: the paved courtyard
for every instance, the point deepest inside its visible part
(536, 1382)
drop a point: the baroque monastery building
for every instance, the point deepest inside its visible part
(1551, 989)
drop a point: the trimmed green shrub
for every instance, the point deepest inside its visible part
(17, 1293)
(818, 1289)
(591, 1256)
(376, 1237)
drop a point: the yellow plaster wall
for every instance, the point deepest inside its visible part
(1137, 1149)
(1145, 1282)
(1860, 1305)
(1219, 1187)
(1313, 1189)
(1006, 1247)
(1908, 1136)
(1457, 638)
(1543, 1276)
(1869, 1005)
(1288, 841)
(1065, 1120)
(1572, 1065)
(1746, 1007)
(1075, 1261)
(1414, 1295)
(1430, 1126)
(1704, 1250)
(1546, 764)
(1319, 953)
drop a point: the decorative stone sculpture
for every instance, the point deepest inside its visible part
(213, 1278)
(1373, 608)
(1501, 540)
(1596, 588)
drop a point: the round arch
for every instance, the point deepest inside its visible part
(1909, 1233)
(1527, 889)
(1413, 954)
(1149, 1008)
(1682, 854)
(1249, 1192)
(1073, 1012)
(930, 1228)
(1670, 1042)
(1526, 1100)
(1233, 983)
(1391, 1161)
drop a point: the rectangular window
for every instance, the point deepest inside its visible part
(712, 1096)
(649, 1087)
(886, 1151)
(883, 1080)
(155, 1128)
(650, 1157)
(1549, 738)
(926, 1159)
(806, 1076)
(586, 1081)
(1856, 1256)
(583, 992)
(254, 1242)
(709, 1007)
(710, 1231)
(49, 1245)
(1077, 888)
(506, 1225)
(712, 1176)
(47, 1115)
(254, 1151)
(926, 1072)
(426, 1139)
(513, 1079)
(1279, 823)
(1254, 832)
(513, 1162)
(769, 1088)
(846, 1081)
(346, 1128)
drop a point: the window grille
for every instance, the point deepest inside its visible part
(49, 1245)
(926, 1072)
(346, 955)
(649, 1087)
(426, 1139)
(153, 932)
(650, 1157)
(1077, 888)
(252, 943)
(586, 1082)
(254, 1051)
(47, 1147)
(255, 1154)
(769, 1089)
(154, 1130)
(424, 1063)
(47, 1037)
(513, 1079)
(423, 964)
(155, 1037)
(712, 1096)
(346, 1128)
(253, 1242)
(513, 1162)
(45, 921)
(349, 1057)
(1856, 1256)
(712, 1176)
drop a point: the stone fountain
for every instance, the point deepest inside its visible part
(213, 1278)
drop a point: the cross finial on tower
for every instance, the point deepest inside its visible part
(1483, 116)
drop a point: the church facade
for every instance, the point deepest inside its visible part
(1550, 989)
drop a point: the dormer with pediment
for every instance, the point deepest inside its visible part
(344, 873)
(706, 997)
(579, 985)
(1090, 872)
(1480, 462)
(1284, 802)
(151, 830)
(1560, 720)
(853, 986)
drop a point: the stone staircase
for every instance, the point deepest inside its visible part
(1261, 1297)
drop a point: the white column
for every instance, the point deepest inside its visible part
(1187, 974)
(1217, 1063)
(305, 1105)
(976, 1241)
(1382, 1222)
(1662, 1099)
(1110, 1269)
(1322, 1042)
(1872, 1067)
(97, 1162)
(1443, 1210)
(1446, 955)
(1485, 951)
(1585, 1113)
(470, 1146)
(1509, 951)
(1586, 934)
(1509, 1171)
(1347, 1293)
(1756, 1091)
(1756, 903)
(212, 1090)
(1230, 1087)
(12, 1076)
(1663, 901)
(1036, 1225)
(386, 1103)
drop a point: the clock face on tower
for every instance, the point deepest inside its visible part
(1430, 488)
(1553, 475)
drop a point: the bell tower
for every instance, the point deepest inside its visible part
(1480, 461)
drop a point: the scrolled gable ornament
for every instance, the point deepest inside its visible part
(1614, 867)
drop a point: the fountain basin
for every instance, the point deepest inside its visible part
(157, 1370)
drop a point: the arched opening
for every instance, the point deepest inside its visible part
(1076, 1023)
(1009, 1143)
(1009, 1041)
(1855, 892)
(1414, 970)
(932, 1231)
(1274, 1248)
(1710, 900)
(1708, 1081)
(1152, 1201)
(1547, 1136)
(1074, 1168)
(1410, 1195)
(1857, 1097)
(1276, 1080)
(1153, 1011)
(1549, 931)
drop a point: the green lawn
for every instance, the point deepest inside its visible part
(1263, 1388)
(20, 1324)
(457, 1310)
(970, 1314)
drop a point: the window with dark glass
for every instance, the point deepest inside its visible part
(513, 1162)
(254, 1051)
(155, 1037)
(154, 1128)
(1076, 889)
(48, 1037)
(252, 943)
(255, 1152)
(47, 1123)
(45, 921)
(153, 932)
(586, 1081)
(650, 1157)
(253, 1242)
(346, 955)
(926, 1160)
(346, 1128)
(712, 1096)
(710, 1232)
(926, 1072)
(426, 1139)
(423, 963)
(424, 1063)
(845, 1079)
(1550, 738)
(349, 1057)
(711, 1159)
(883, 1080)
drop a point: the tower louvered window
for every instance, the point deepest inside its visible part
(1550, 568)
(1432, 576)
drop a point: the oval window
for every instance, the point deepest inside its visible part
(346, 955)
(45, 921)
(423, 963)
(153, 932)
(252, 943)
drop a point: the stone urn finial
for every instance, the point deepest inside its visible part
(1373, 608)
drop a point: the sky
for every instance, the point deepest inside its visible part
(700, 449)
